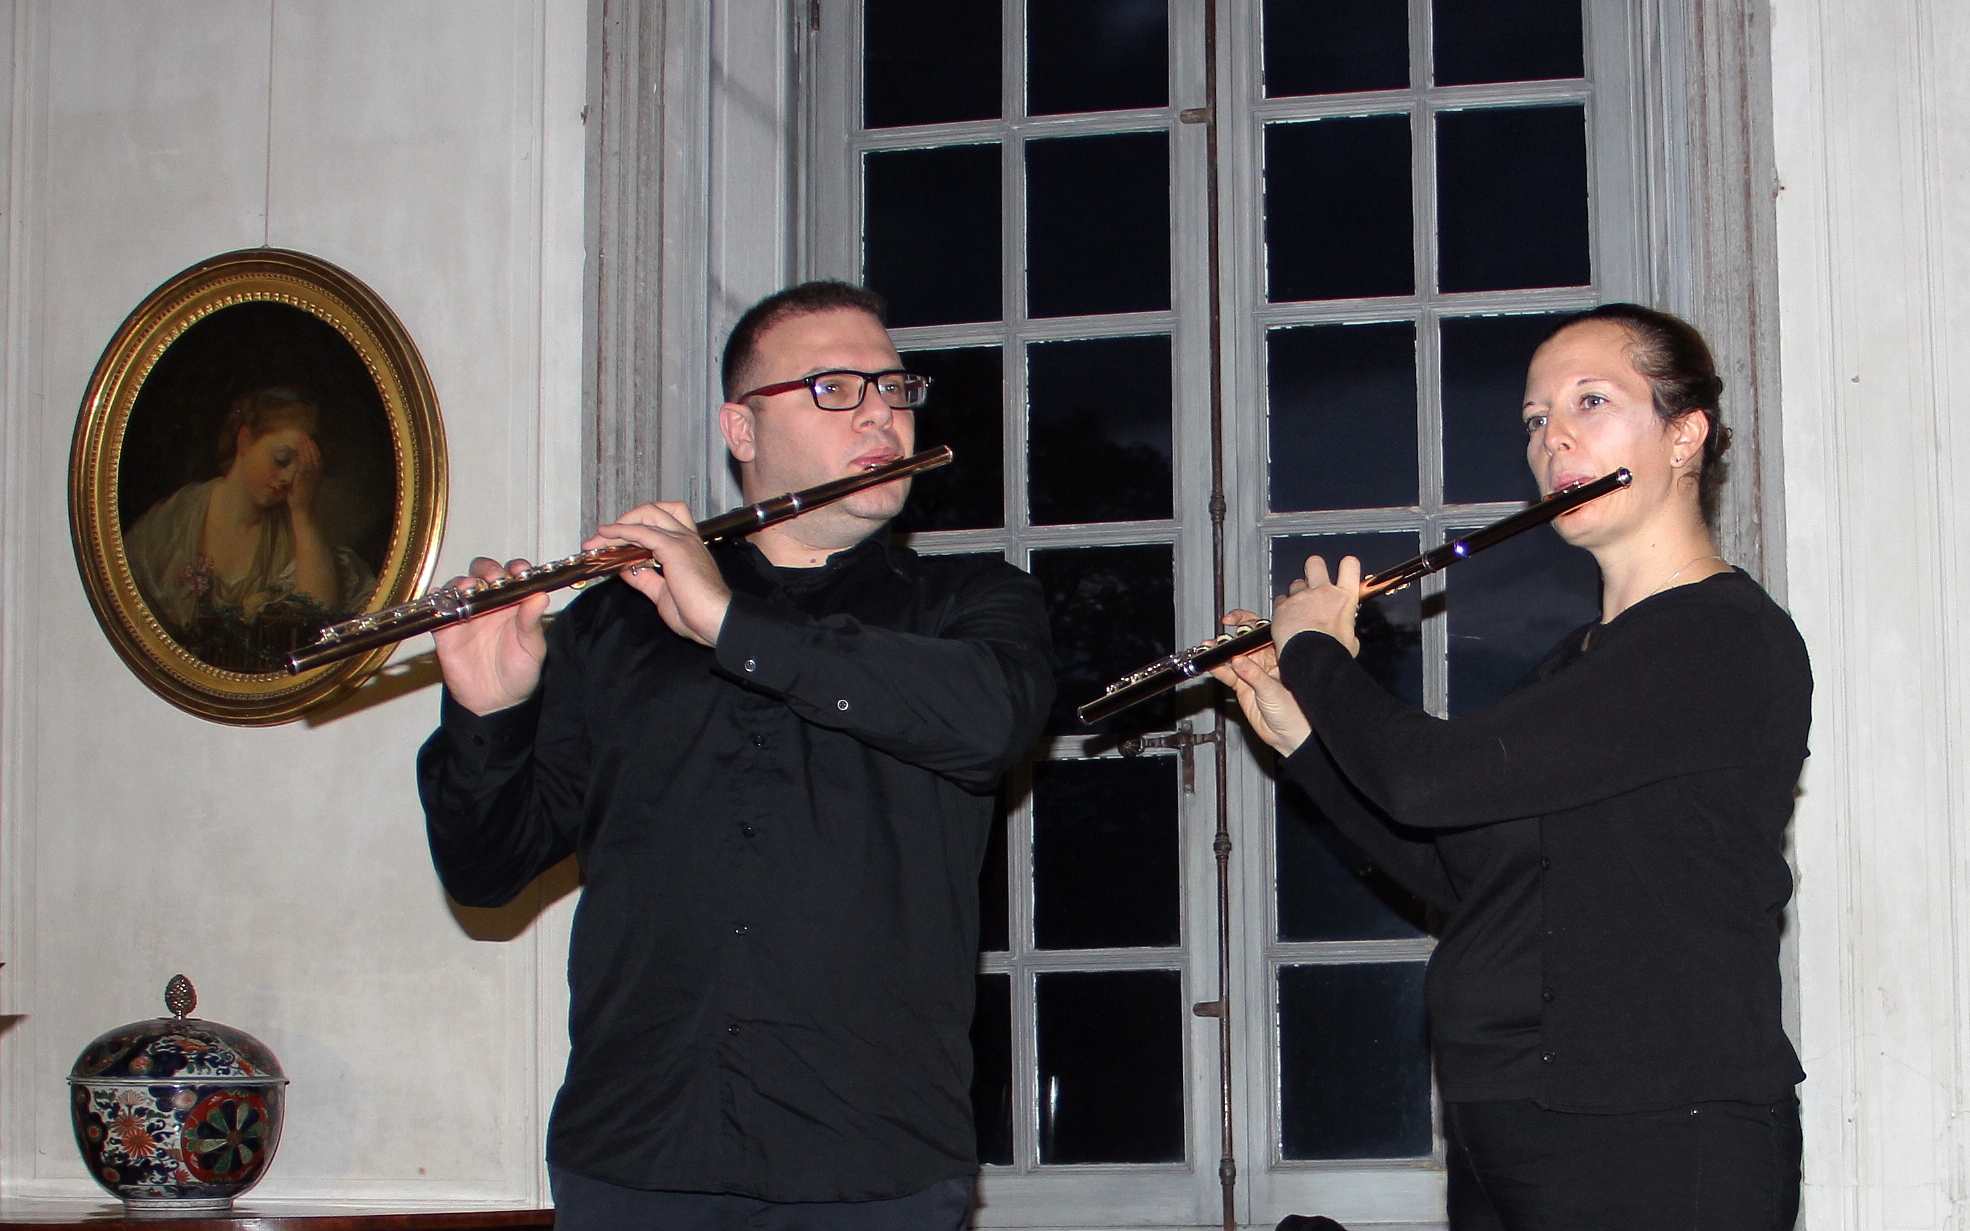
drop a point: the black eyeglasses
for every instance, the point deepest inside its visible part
(845, 389)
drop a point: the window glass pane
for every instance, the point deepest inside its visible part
(1338, 217)
(932, 233)
(1512, 198)
(1329, 889)
(1096, 55)
(1335, 46)
(1342, 423)
(1105, 853)
(995, 883)
(1354, 1062)
(1390, 626)
(1509, 606)
(1506, 40)
(991, 1069)
(965, 411)
(1098, 224)
(1099, 444)
(1484, 362)
(1112, 611)
(1111, 1066)
(929, 63)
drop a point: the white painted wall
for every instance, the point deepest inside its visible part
(434, 149)
(1872, 110)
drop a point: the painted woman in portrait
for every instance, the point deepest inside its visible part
(237, 568)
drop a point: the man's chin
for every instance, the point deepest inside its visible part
(875, 506)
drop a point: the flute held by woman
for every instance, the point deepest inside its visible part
(1166, 673)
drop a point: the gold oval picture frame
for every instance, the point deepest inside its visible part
(259, 453)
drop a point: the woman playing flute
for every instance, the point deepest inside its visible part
(1606, 843)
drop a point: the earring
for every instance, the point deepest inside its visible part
(1675, 461)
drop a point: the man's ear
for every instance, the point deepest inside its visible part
(735, 420)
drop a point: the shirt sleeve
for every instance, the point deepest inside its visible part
(1682, 689)
(1411, 862)
(502, 792)
(963, 704)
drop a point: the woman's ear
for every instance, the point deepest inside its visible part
(1687, 435)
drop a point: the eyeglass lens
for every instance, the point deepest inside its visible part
(844, 390)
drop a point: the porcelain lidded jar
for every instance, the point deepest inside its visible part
(177, 1114)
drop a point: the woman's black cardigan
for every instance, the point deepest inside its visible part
(1606, 845)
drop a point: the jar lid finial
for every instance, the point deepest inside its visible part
(180, 996)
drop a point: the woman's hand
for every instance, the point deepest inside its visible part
(1275, 716)
(1318, 604)
(689, 591)
(306, 486)
(492, 661)
(314, 560)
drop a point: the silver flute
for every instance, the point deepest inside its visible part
(451, 604)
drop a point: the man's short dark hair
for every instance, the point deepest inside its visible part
(803, 300)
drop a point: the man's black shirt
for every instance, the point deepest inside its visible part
(774, 956)
(1606, 844)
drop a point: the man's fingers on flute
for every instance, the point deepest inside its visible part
(1348, 575)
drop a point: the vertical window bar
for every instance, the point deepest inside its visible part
(1025, 1040)
(1429, 350)
(1012, 229)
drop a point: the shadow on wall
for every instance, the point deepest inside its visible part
(501, 923)
(397, 679)
(324, 1098)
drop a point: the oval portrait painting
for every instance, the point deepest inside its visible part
(259, 456)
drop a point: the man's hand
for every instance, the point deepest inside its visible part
(689, 592)
(1275, 716)
(492, 662)
(1320, 605)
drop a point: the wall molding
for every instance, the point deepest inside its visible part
(22, 71)
(1732, 291)
(692, 189)
(626, 176)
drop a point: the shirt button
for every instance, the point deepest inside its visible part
(1545, 1059)
(842, 704)
(739, 929)
(1546, 994)
(747, 830)
(479, 741)
(732, 1029)
(752, 664)
(759, 741)
(1545, 862)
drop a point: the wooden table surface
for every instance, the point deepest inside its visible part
(247, 1215)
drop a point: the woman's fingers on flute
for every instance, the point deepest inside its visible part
(1275, 717)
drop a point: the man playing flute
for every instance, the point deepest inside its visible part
(776, 760)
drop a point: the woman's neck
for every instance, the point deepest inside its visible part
(231, 508)
(1678, 555)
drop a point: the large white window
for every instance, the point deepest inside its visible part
(1410, 191)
